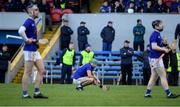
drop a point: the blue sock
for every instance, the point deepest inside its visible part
(36, 90)
(24, 92)
(168, 92)
(148, 92)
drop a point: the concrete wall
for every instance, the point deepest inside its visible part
(123, 24)
(13, 20)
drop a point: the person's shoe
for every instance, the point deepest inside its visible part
(148, 96)
(173, 96)
(40, 96)
(26, 97)
(79, 88)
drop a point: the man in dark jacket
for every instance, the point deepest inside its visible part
(126, 63)
(139, 31)
(177, 34)
(82, 35)
(146, 67)
(108, 35)
(67, 61)
(4, 58)
(65, 36)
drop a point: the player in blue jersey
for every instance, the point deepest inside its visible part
(31, 55)
(85, 76)
(156, 62)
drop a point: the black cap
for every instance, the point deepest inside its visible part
(110, 22)
(126, 41)
(82, 22)
(4, 45)
(87, 45)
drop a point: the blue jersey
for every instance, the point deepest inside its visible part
(31, 32)
(82, 71)
(155, 38)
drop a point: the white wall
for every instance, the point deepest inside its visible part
(123, 24)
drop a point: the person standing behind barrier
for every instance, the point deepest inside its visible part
(146, 67)
(174, 66)
(177, 34)
(126, 63)
(108, 35)
(139, 31)
(65, 36)
(82, 35)
(4, 58)
(67, 61)
(86, 55)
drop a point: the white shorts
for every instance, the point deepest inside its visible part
(152, 63)
(31, 56)
(80, 80)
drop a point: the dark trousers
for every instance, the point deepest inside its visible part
(126, 71)
(81, 45)
(64, 44)
(173, 78)
(2, 76)
(107, 46)
(66, 71)
(146, 75)
(138, 44)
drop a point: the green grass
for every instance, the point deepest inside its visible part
(66, 95)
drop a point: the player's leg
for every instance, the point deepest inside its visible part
(151, 83)
(41, 70)
(25, 78)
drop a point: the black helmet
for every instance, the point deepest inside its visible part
(156, 23)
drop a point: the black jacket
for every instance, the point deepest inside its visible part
(126, 55)
(108, 34)
(4, 58)
(177, 31)
(145, 59)
(66, 33)
(82, 33)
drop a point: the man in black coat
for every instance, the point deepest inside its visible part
(177, 34)
(4, 58)
(107, 35)
(82, 36)
(126, 63)
(65, 36)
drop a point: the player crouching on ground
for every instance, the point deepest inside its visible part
(85, 76)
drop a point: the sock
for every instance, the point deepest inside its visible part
(148, 92)
(168, 92)
(36, 91)
(25, 93)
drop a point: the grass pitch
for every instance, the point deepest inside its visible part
(66, 95)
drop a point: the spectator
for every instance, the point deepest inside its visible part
(45, 7)
(126, 63)
(86, 55)
(65, 36)
(67, 61)
(173, 69)
(82, 35)
(35, 2)
(146, 67)
(4, 58)
(174, 6)
(139, 31)
(117, 7)
(168, 2)
(60, 4)
(141, 5)
(105, 8)
(108, 35)
(177, 34)
(131, 8)
(74, 5)
(149, 8)
(2, 3)
(166, 55)
(9, 6)
(21, 6)
(160, 7)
